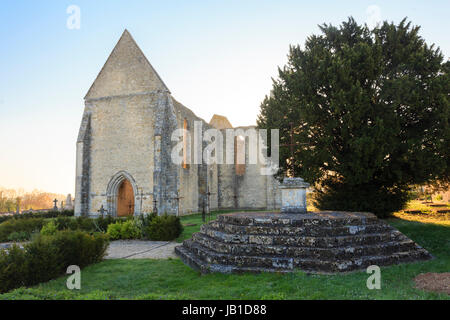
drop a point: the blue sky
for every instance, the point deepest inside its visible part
(215, 57)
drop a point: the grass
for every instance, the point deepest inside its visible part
(171, 279)
(427, 214)
(191, 223)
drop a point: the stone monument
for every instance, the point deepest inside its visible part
(293, 195)
(294, 239)
(69, 203)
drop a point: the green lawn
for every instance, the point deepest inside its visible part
(171, 279)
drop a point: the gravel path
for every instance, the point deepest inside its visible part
(136, 249)
(7, 245)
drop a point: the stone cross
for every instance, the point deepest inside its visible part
(102, 210)
(141, 197)
(69, 204)
(55, 207)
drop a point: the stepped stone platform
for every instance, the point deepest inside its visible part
(315, 242)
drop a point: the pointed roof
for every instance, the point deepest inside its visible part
(127, 71)
(220, 122)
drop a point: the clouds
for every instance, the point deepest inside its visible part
(373, 13)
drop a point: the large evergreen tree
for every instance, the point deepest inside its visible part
(370, 112)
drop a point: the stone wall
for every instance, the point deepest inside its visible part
(126, 133)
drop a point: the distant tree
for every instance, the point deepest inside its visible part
(18, 203)
(370, 111)
(36, 199)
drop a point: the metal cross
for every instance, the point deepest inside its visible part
(291, 148)
(203, 212)
(102, 210)
(178, 203)
(155, 208)
(208, 204)
(236, 201)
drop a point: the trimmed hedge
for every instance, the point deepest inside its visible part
(44, 215)
(48, 257)
(24, 227)
(150, 227)
(87, 224)
(163, 228)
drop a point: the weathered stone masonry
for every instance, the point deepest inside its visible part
(125, 134)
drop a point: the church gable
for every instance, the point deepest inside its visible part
(127, 71)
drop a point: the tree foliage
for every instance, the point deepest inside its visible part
(11, 198)
(370, 113)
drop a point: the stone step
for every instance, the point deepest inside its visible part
(306, 241)
(322, 219)
(191, 260)
(297, 231)
(211, 257)
(195, 263)
(203, 257)
(303, 252)
(363, 262)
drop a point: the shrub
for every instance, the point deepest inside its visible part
(124, 230)
(63, 223)
(12, 268)
(129, 230)
(49, 229)
(83, 223)
(19, 236)
(79, 248)
(86, 223)
(143, 221)
(48, 257)
(113, 230)
(45, 215)
(20, 225)
(41, 261)
(370, 198)
(163, 228)
(102, 223)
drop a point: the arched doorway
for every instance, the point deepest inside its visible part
(121, 194)
(125, 199)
